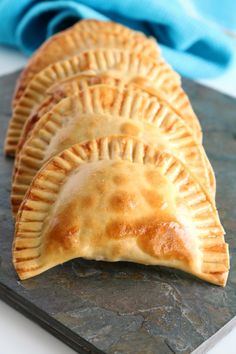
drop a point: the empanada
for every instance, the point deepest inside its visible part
(102, 111)
(178, 100)
(128, 64)
(117, 199)
(86, 34)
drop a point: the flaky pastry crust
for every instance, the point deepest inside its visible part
(115, 199)
(84, 35)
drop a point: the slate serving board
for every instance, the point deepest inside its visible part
(127, 308)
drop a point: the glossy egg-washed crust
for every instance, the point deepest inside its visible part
(82, 36)
(101, 111)
(178, 100)
(113, 199)
(129, 64)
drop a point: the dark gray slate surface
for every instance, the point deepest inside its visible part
(128, 308)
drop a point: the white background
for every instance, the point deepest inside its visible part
(18, 334)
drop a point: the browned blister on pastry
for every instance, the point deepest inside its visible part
(128, 64)
(86, 34)
(100, 111)
(118, 199)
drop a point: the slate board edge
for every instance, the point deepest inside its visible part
(76, 342)
(57, 329)
(213, 340)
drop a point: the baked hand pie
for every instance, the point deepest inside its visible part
(177, 99)
(100, 111)
(129, 64)
(118, 199)
(109, 159)
(84, 35)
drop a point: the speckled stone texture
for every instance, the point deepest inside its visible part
(127, 308)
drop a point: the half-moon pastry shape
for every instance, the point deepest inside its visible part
(128, 63)
(86, 34)
(118, 199)
(101, 111)
(178, 100)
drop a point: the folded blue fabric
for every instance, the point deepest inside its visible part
(195, 47)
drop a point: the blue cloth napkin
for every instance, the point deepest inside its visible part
(193, 45)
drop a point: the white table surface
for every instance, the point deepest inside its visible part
(20, 335)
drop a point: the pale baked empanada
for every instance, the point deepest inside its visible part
(118, 199)
(100, 111)
(178, 100)
(128, 64)
(84, 35)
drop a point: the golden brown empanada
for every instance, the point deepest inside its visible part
(100, 111)
(117, 199)
(178, 100)
(129, 64)
(84, 35)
